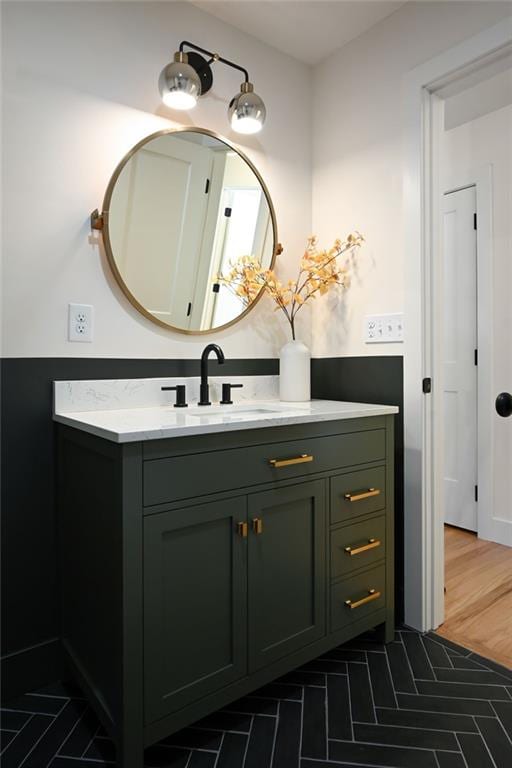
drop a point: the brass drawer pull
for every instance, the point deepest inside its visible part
(257, 525)
(372, 595)
(360, 495)
(242, 529)
(302, 459)
(372, 544)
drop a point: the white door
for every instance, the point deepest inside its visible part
(158, 231)
(459, 363)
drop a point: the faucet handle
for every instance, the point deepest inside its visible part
(181, 395)
(226, 393)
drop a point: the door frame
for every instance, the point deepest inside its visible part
(423, 112)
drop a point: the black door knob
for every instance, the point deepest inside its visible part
(504, 404)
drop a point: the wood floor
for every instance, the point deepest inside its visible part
(478, 599)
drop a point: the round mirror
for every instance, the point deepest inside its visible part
(182, 208)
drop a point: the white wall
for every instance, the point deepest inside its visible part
(358, 157)
(79, 89)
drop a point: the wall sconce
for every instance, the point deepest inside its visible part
(190, 75)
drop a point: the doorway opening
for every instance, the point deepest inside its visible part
(473, 355)
(429, 195)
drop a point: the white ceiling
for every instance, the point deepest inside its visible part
(309, 30)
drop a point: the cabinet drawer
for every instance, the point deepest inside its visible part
(366, 593)
(358, 545)
(195, 474)
(357, 493)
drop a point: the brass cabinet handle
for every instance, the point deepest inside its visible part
(302, 459)
(372, 595)
(360, 495)
(242, 529)
(372, 544)
(257, 525)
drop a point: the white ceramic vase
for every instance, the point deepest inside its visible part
(295, 372)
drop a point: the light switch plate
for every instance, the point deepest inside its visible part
(384, 329)
(80, 322)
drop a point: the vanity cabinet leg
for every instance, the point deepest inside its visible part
(130, 751)
(386, 632)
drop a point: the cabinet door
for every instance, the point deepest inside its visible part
(195, 603)
(287, 571)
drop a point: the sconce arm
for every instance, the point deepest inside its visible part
(215, 57)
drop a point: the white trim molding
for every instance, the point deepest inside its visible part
(422, 111)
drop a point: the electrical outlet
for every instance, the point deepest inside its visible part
(382, 329)
(80, 322)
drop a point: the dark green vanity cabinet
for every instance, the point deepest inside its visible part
(196, 569)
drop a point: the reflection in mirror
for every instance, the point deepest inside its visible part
(184, 208)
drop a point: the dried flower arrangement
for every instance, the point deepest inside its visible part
(319, 271)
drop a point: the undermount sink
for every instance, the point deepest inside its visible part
(231, 411)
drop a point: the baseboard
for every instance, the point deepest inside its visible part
(30, 668)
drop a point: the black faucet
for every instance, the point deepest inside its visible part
(204, 398)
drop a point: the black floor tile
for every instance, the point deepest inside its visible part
(363, 644)
(437, 655)
(56, 734)
(254, 706)
(25, 740)
(380, 679)
(163, 757)
(195, 738)
(37, 705)
(474, 750)
(501, 670)
(288, 737)
(79, 737)
(329, 666)
(450, 760)
(462, 690)
(504, 711)
(5, 738)
(421, 702)
(227, 721)
(325, 764)
(301, 677)
(202, 760)
(63, 688)
(101, 749)
(405, 737)
(465, 662)
(418, 659)
(383, 756)
(497, 741)
(232, 750)
(400, 669)
(261, 742)
(13, 721)
(339, 715)
(458, 649)
(314, 724)
(472, 676)
(409, 718)
(71, 762)
(361, 700)
(280, 691)
(345, 654)
(441, 704)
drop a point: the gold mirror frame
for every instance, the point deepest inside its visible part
(100, 221)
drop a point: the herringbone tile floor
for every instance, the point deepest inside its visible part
(420, 702)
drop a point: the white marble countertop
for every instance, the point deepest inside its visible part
(131, 410)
